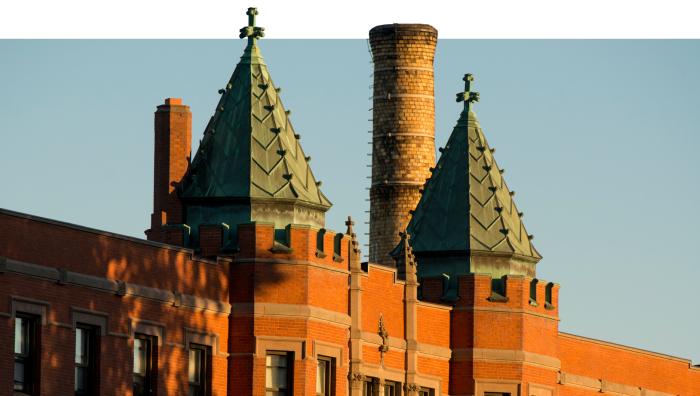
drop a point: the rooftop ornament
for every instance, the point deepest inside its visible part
(251, 31)
(467, 96)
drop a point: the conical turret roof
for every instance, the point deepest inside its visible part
(250, 149)
(466, 205)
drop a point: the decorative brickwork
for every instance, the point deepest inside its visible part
(403, 138)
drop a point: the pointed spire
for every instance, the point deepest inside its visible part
(354, 252)
(403, 255)
(406, 250)
(353, 237)
(466, 205)
(250, 156)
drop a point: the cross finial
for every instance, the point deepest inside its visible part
(467, 96)
(251, 31)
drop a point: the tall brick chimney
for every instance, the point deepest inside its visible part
(173, 146)
(403, 148)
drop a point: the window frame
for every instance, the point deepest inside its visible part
(329, 362)
(205, 372)
(370, 386)
(289, 356)
(393, 385)
(31, 359)
(93, 356)
(426, 392)
(150, 379)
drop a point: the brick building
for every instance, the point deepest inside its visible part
(240, 289)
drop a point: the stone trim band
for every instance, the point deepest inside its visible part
(117, 287)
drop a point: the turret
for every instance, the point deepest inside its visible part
(250, 166)
(466, 221)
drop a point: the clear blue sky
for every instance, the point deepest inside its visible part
(598, 138)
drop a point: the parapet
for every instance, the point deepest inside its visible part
(516, 291)
(296, 242)
(261, 240)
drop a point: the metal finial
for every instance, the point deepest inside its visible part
(467, 96)
(468, 78)
(252, 12)
(350, 223)
(251, 31)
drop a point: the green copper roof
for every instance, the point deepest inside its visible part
(466, 205)
(250, 149)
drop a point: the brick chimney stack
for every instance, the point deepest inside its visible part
(172, 151)
(403, 148)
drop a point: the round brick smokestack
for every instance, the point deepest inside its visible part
(403, 130)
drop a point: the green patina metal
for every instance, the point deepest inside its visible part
(467, 212)
(250, 165)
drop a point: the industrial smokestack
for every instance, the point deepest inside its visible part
(403, 130)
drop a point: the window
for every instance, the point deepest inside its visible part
(392, 388)
(145, 364)
(278, 374)
(86, 360)
(426, 392)
(199, 370)
(26, 371)
(325, 376)
(370, 387)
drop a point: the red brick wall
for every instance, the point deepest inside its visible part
(625, 365)
(491, 338)
(52, 244)
(291, 283)
(57, 337)
(433, 326)
(381, 295)
(111, 256)
(310, 281)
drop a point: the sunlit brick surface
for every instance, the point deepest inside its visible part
(403, 138)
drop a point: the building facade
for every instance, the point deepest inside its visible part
(240, 289)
